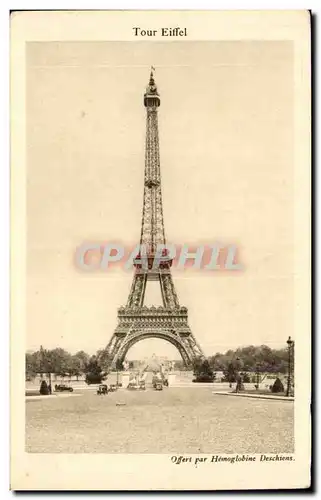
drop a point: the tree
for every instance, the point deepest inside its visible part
(83, 357)
(229, 373)
(119, 365)
(203, 371)
(44, 390)
(94, 372)
(180, 365)
(75, 367)
(277, 386)
(78, 363)
(62, 363)
(217, 362)
(245, 377)
(58, 361)
(271, 360)
(53, 361)
(32, 365)
(105, 360)
(197, 364)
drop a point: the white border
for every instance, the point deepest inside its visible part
(4, 171)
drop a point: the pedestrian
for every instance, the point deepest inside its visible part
(238, 383)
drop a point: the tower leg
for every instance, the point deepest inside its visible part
(168, 290)
(137, 293)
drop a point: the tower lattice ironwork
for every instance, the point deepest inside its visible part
(135, 320)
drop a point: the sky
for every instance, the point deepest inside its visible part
(226, 149)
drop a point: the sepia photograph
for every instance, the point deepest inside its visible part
(161, 211)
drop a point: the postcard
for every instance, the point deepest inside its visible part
(160, 250)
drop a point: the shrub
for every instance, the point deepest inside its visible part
(204, 377)
(246, 378)
(94, 373)
(277, 386)
(94, 378)
(203, 371)
(44, 388)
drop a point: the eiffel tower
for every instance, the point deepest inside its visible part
(135, 321)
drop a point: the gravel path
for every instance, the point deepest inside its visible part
(175, 420)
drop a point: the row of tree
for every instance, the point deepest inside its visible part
(249, 362)
(56, 361)
(249, 359)
(60, 362)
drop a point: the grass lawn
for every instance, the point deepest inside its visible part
(262, 391)
(184, 420)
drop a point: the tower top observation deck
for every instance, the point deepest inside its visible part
(151, 96)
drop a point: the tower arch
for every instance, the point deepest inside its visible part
(141, 335)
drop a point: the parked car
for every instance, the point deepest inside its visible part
(157, 383)
(63, 388)
(102, 389)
